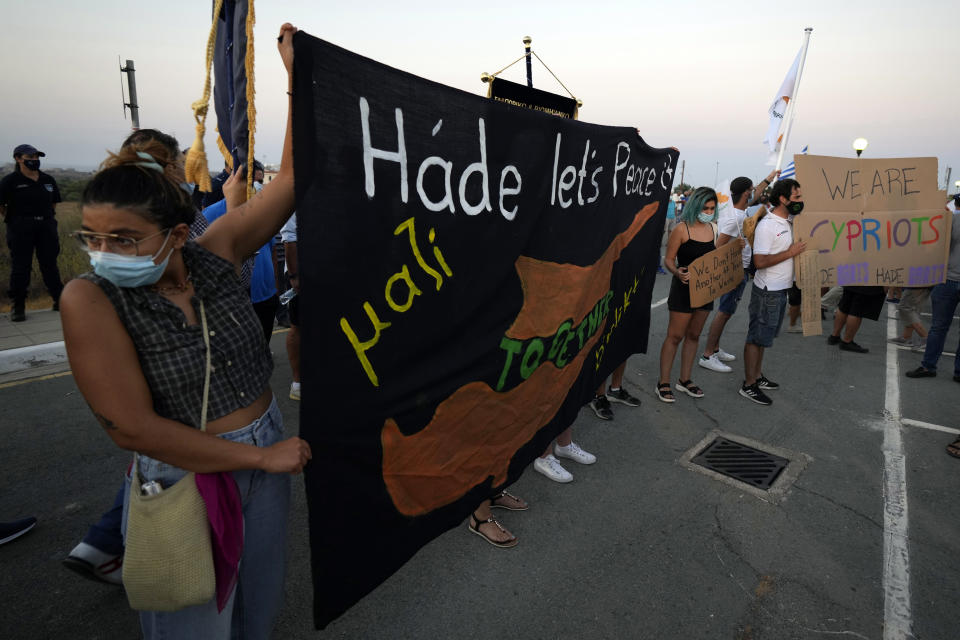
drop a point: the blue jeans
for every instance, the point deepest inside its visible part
(730, 300)
(766, 315)
(105, 535)
(256, 601)
(944, 298)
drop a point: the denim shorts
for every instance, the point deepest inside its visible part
(766, 315)
(730, 300)
(258, 596)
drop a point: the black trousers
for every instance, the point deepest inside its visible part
(24, 235)
(266, 310)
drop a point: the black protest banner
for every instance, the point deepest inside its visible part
(471, 271)
(523, 96)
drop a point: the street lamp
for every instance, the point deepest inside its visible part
(859, 145)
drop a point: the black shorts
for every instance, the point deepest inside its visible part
(293, 308)
(679, 298)
(793, 295)
(862, 302)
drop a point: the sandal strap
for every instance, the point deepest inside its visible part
(491, 520)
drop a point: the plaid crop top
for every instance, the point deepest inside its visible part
(172, 354)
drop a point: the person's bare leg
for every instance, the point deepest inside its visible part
(675, 330)
(794, 312)
(691, 343)
(716, 330)
(919, 328)
(752, 362)
(839, 319)
(565, 438)
(616, 380)
(851, 327)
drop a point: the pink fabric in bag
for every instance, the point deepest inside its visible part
(224, 512)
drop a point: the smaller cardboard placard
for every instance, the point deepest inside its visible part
(807, 269)
(715, 273)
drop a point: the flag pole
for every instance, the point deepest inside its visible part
(793, 100)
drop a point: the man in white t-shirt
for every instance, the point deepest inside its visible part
(773, 253)
(730, 227)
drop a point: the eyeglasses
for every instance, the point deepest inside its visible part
(111, 242)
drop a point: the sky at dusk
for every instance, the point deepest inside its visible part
(699, 76)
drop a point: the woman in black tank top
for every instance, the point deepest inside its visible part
(695, 237)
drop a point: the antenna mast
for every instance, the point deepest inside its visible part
(132, 90)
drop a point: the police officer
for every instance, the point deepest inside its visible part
(27, 199)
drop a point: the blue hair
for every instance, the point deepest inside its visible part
(695, 204)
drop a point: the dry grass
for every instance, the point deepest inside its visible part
(72, 260)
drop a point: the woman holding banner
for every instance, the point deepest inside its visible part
(695, 237)
(158, 315)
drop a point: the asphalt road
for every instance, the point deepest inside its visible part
(636, 547)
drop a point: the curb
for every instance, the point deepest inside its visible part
(37, 355)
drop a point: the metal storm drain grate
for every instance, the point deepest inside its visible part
(740, 462)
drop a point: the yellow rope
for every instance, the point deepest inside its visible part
(195, 167)
(554, 75)
(251, 107)
(227, 158)
(509, 65)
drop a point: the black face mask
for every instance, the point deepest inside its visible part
(795, 208)
(33, 165)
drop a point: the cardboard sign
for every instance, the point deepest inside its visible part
(808, 262)
(884, 248)
(715, 273)
(884, 184)
(874, 222)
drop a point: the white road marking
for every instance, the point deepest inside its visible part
(949, 354)
(928, 425)
(897, 617)
(658, 303)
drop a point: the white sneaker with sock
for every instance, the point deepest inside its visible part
(551, 467)
(713, 363)
(294, 390)
(724, 356)
(573, 452)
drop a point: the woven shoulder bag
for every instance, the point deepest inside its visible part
(168, 560)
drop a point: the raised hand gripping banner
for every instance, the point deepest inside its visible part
(471, 273)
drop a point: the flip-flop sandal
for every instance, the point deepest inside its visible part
(689, 388)
(506, 544)
(514, 504)
(953, 448)
(664, 392)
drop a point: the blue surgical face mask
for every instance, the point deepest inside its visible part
(705, 217)
(186, 186)
(129, 272)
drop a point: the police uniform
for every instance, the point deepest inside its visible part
(31, 225)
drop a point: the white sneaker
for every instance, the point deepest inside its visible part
(294, 390)
(573, 452)
(94, 564)
(724, 356)
(795, 328)
(713, 363)
(551, 467)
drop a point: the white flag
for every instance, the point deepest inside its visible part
(778, 111)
